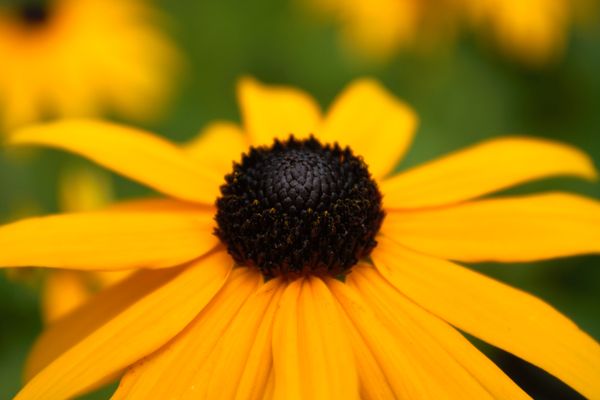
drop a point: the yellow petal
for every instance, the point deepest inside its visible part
(107, 240)
(496, 313)
(152, 204)
(430, 363)
(392, 355)
(243, 359)
(322, 326)
(170, 372)
(373, 384)
(270, 388)
(218, 146)
(374, 123)
(158, 205)
(118, 328)
(447, 349)
(63, 291)
(508, 229)
(286, 359)
(67, 331)
(135, 154)
(484, 168)
(312, 357)
(271, 112)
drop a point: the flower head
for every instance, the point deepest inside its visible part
(360, 297)
(80, 57)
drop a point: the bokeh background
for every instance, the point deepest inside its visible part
(464, 92)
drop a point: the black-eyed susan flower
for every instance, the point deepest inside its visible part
(82, 57)
(309, 271)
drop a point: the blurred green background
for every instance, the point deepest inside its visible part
(462, 96)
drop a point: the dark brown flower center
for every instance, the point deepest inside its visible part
(299, 207)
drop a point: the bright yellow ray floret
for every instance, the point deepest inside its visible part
(190, 323)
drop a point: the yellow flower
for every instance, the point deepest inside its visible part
(79, 57)
(376, 29)
(532, 31)
(193, 323)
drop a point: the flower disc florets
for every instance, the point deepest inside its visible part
(299, 208)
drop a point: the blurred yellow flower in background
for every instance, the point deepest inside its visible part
(533, 32)
(208, 315)
(377, 29)
(82, 188)
(83, 58)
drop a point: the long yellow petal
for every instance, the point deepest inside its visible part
(312, 357)
(170, 372)
(443, 375)
(391, 354)
(496, 313)
(374, 123)
(218, 146)
(243, 358)
(157, 204)
(484, 168)
(507, 229)
(270, 388)
(286, 360)
(446, 348)
(373, 383)
(255, 381)
(271, 112)
(321, 325)
(107, 240)
(135, 154)
(103, 339)
(67, 331)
